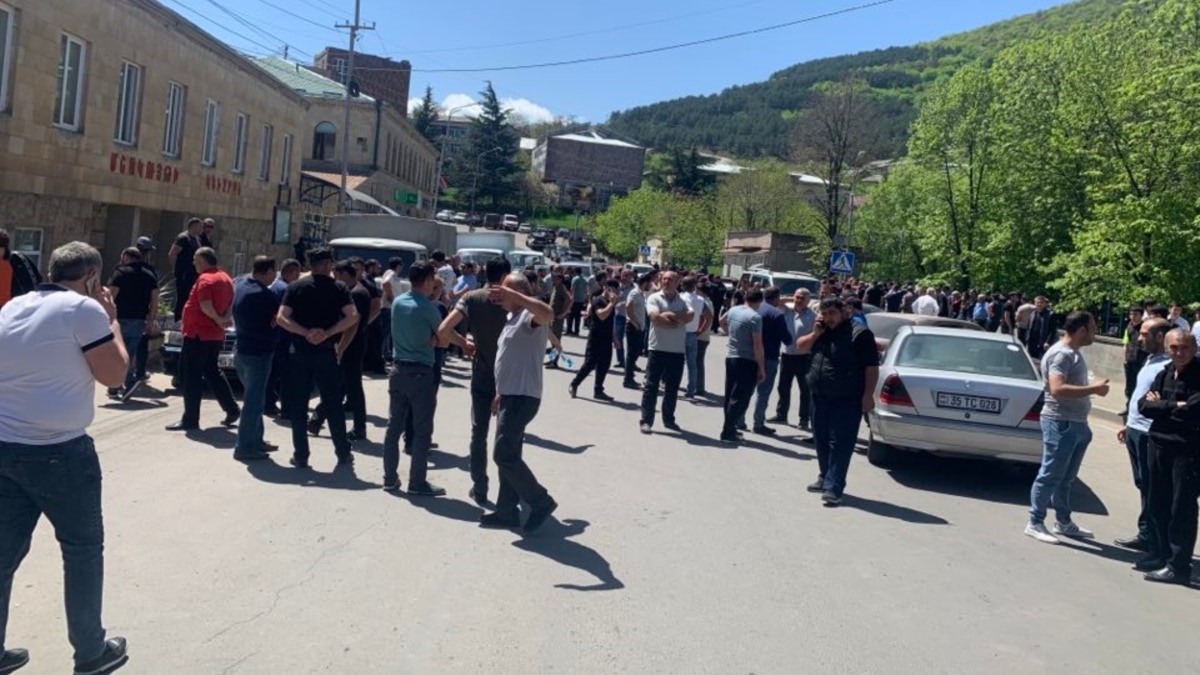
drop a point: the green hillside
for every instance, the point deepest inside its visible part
(755, 120)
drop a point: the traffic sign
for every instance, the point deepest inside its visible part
(645, 251)
(841, 262)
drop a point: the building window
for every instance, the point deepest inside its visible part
(264, 160)
(339, 67)
(285, 171)
(28, 240)
(173, 134)
(212, 122)
(324, 141)
(130, 104)
(6, 40)
(70, 82)
(242, 128)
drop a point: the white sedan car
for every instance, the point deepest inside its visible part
(947, 391)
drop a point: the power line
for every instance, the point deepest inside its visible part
(248, 24)
(297, 16)
(319, 8)
(269, 49)
(655, 50)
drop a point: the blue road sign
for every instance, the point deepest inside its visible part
(644, 250)
(841, 262)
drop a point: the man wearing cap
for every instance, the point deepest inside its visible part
(134, 289)
(181, 255)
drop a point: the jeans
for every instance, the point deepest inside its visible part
(794, 367)
(277, 381)
(619, 330)
(412, 389)
(740, 377)
(701, 353)
(385, 324)
(598, 358)
(517, 481)
(835, 433)
(253, 371)
(690, 351)
(1063, 446)
(665, 368)
(1138, 445)
(61, 481)
(309, 364)
(143, 354)
(481, 419)
(763, 393)
(1174, 488)
(132, 331)
(351, 369)
(199, 365)
(634, 339)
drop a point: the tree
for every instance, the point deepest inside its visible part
(688, 178)
(425, 118)
(632, 220)
(763, 197)
(488, 165)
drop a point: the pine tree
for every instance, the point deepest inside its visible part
(425, 118)
(492, 152)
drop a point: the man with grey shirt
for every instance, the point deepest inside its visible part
(745, 362)
(518, 397)
(669, 317)
(794, 365)
(1065, 430)
(635, 328)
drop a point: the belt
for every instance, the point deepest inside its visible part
(412, 364)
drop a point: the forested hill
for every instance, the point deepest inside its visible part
(756, 119)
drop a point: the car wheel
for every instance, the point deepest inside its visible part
(880, 454)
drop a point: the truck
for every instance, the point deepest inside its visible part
(500, 241)
(434, 236)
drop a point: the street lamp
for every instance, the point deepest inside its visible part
(437, 185)
(475, 176)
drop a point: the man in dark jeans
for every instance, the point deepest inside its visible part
(181, 256)
(1136, 432)
(55, 342)
(745, 362)
(207, 312)
(412, 385)
(845, 369)
(351, 351)
(635, 329)
(598, 357)
(669, 317)
(1135, 356)
(484, 320)
(316, 311)
(277, 396)
(793, 365)
(254, 310)
(134, 287)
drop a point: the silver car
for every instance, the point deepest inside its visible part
(948, 391)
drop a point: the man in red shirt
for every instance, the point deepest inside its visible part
(207, 312)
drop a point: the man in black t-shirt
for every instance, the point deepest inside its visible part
(316, 310)
(352, 349)
(134, 288)
(598, 356)
(181, 255)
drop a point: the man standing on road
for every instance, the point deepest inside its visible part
(1065, 430)
(205, 317)
(626, 288)
(1041, 328)
(1136, 432)
(745, 364)
(254, 308)
(445, 272)
(793, 365)
(842, 378)
(927, 304)
(518, 397)
(277, 397)
(1135, 355)
(18, 275)
(316, 311)
(394, 285)
(351, 352)
(181, 255)
(692, 337)
(775, 334)
(134, 289)
(598, 357)
(484, 320)
(1173, 405)
(704, 336)
(669, 317)
(561, 303)
(412, 385)
(578, 302)
(635, 329)
(56, 342)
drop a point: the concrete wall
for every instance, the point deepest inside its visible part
(1106, 359)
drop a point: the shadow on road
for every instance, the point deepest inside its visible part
(631, 407)
(552, 541)
(444, 507)
(892, 511)
(548, 444)
(440, 459)
(220, 438)
(342, 478)
(134, 404)
(982, 479)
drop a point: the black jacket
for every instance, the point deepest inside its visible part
(1169, 423)
(26, 276)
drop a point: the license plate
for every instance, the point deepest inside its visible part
(225, 361)
(973, 403)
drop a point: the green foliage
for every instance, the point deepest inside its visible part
(490, 159)
(425, 118)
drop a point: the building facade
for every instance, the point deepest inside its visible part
(377, 76)
(121, 119)
(589, 167)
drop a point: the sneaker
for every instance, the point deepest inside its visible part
(114, 657)
(391, 485)
(127, 393)
(114, 393)
(644, 428)
(1072, 530)
(816, 486)
(830, 498)
(13, 659)
(426, 489)
(1038, 531)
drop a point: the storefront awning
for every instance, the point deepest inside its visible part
(352, 182)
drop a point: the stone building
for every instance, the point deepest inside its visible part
(377, 76)
(391, 167)
(589, 166)
(120, 119)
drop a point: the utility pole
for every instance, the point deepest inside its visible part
(354, 28)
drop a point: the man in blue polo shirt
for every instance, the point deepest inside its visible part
(412, 384)
(254, 308)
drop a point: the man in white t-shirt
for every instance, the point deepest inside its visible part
(927, 304)
(445, 272)
(393, 284)
(692, 340)
(55, 344)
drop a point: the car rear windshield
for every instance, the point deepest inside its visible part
(968, 355)
(787, 287)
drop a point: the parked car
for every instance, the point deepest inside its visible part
(540, 238)
(444, 216)
(786, 282)
(172, 348)
(492, 221)
(510, 222)
(525, 228)
(564, 232)
(955, 392)
(473, 220)
(459, 217)
(885, 325)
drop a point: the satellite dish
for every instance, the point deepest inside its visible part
(355, 92)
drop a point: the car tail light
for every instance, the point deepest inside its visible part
(1035, 413)
(894, 393)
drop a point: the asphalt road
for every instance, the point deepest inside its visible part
(670, 554)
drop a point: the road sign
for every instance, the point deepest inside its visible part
(841, 262)
(644, 250)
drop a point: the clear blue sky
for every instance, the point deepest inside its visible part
(480, 33)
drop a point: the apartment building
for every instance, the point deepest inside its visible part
(121, 119)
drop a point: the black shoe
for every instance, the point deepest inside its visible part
(601, 396)
(778, 419)
(1133, 544)
(180, 426)
(114, 393)
(551, 366)
(803, 426)
(345, 460)
(392, 485)
(250, 456)
(638, 370)
(539, 514)
(408, 450)
(572, 389)
(298, 464)
(314, 428)
(231, 418)
(1149, 564)
(271, 411)
(478, 494)
(731, 440)
(127, 392)
(817, 486)
(269, 447)
(741, 426)
(499, 521)
(672, 426)
(114, 657)
(13, 659)
(633, 385)
(764, 430)
(688, 396)
(426, 489)
(1168, 576)
(644, 428)
(356, 435)
(830, 498)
